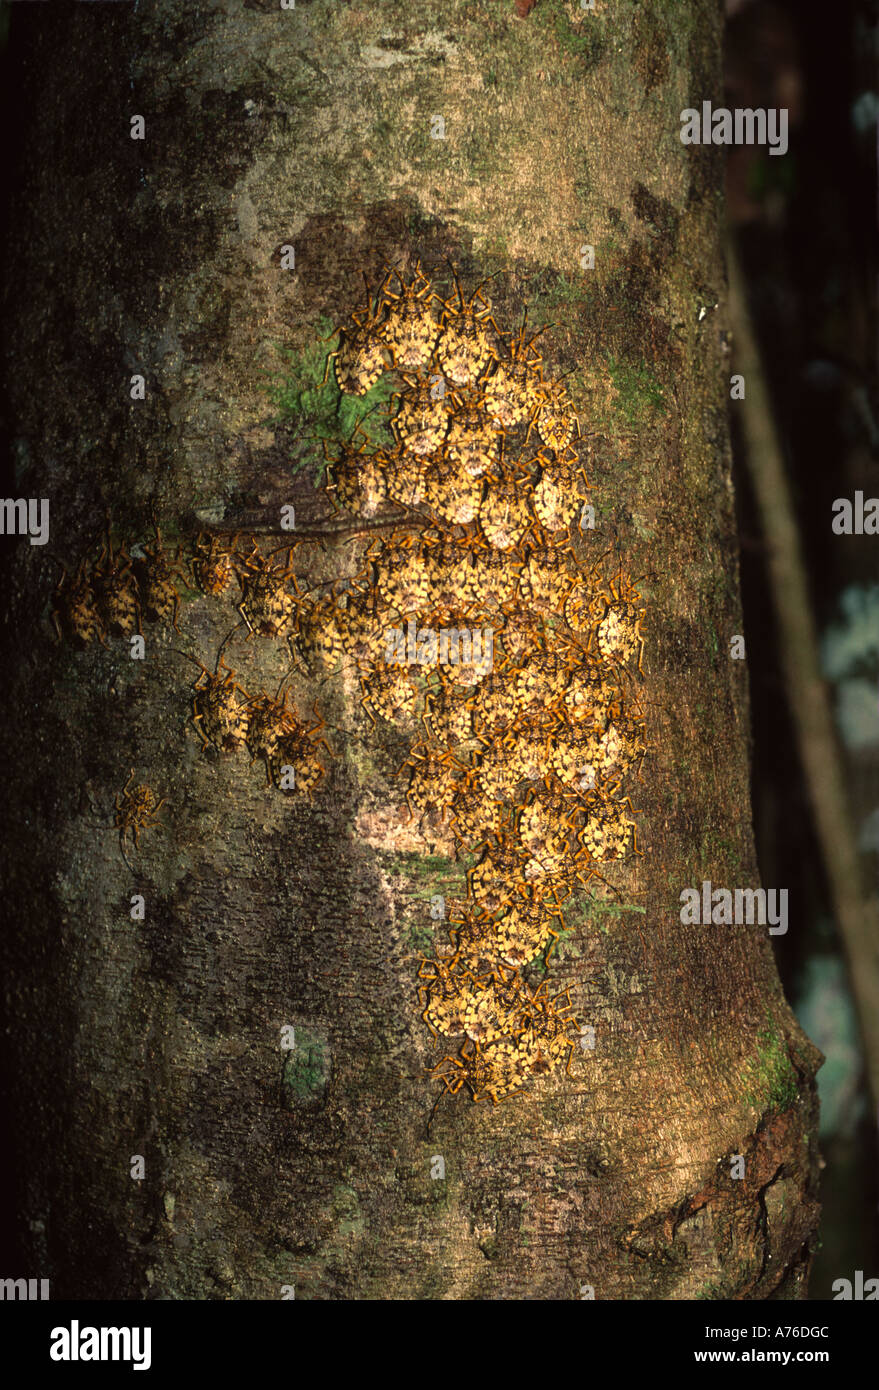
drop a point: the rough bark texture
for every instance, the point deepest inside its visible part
(312, 127)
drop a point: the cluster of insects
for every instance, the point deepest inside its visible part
(475, 624)
(478, 626)
(115, 589)
(110, 593)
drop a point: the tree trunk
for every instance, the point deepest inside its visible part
(359, 137)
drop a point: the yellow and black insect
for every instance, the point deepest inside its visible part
(410, 327)
(137, 809)
(157, 572)
(514, 391)
(213, 564)
(452, 495)
(359, 481)
(362, 356)
(388, 691)
(267, 604)
(433, 774)
(473, 439)
(269, 721)
(607, 829)
(555, 419)
(464, 348)
(75, 612)
(116, 589)
(504, 512)
(618, 629)
(558, 501)
(220, 708)
(422, 417)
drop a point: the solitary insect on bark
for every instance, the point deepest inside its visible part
(157, 575)
(276, 734)
(137, 809)
(268, 722)
(298, 754)
(411, 327)
(75, 611)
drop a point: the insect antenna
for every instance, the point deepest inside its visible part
(225, 642)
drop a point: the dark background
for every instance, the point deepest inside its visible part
(805, 228)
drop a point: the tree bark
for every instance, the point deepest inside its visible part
(311, 128)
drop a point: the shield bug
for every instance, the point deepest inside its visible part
(451, 493)
(545, 577)
(362, 356)
(137, 809)
(116, 590)
(269, 721)
(213, 564)
(388, 691)
(411, 327)
(527, 929)
(406, 475)
(556, 420)
(618, 630)
(422, 418)
(75, 612)
(606, 828)
(219, 708)
(514, 391)
(557, 498)
(358, 481)
(433, 775)
(473, 438)
(504, 513)
(157, 572)
(267, 605)
(464, 348)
